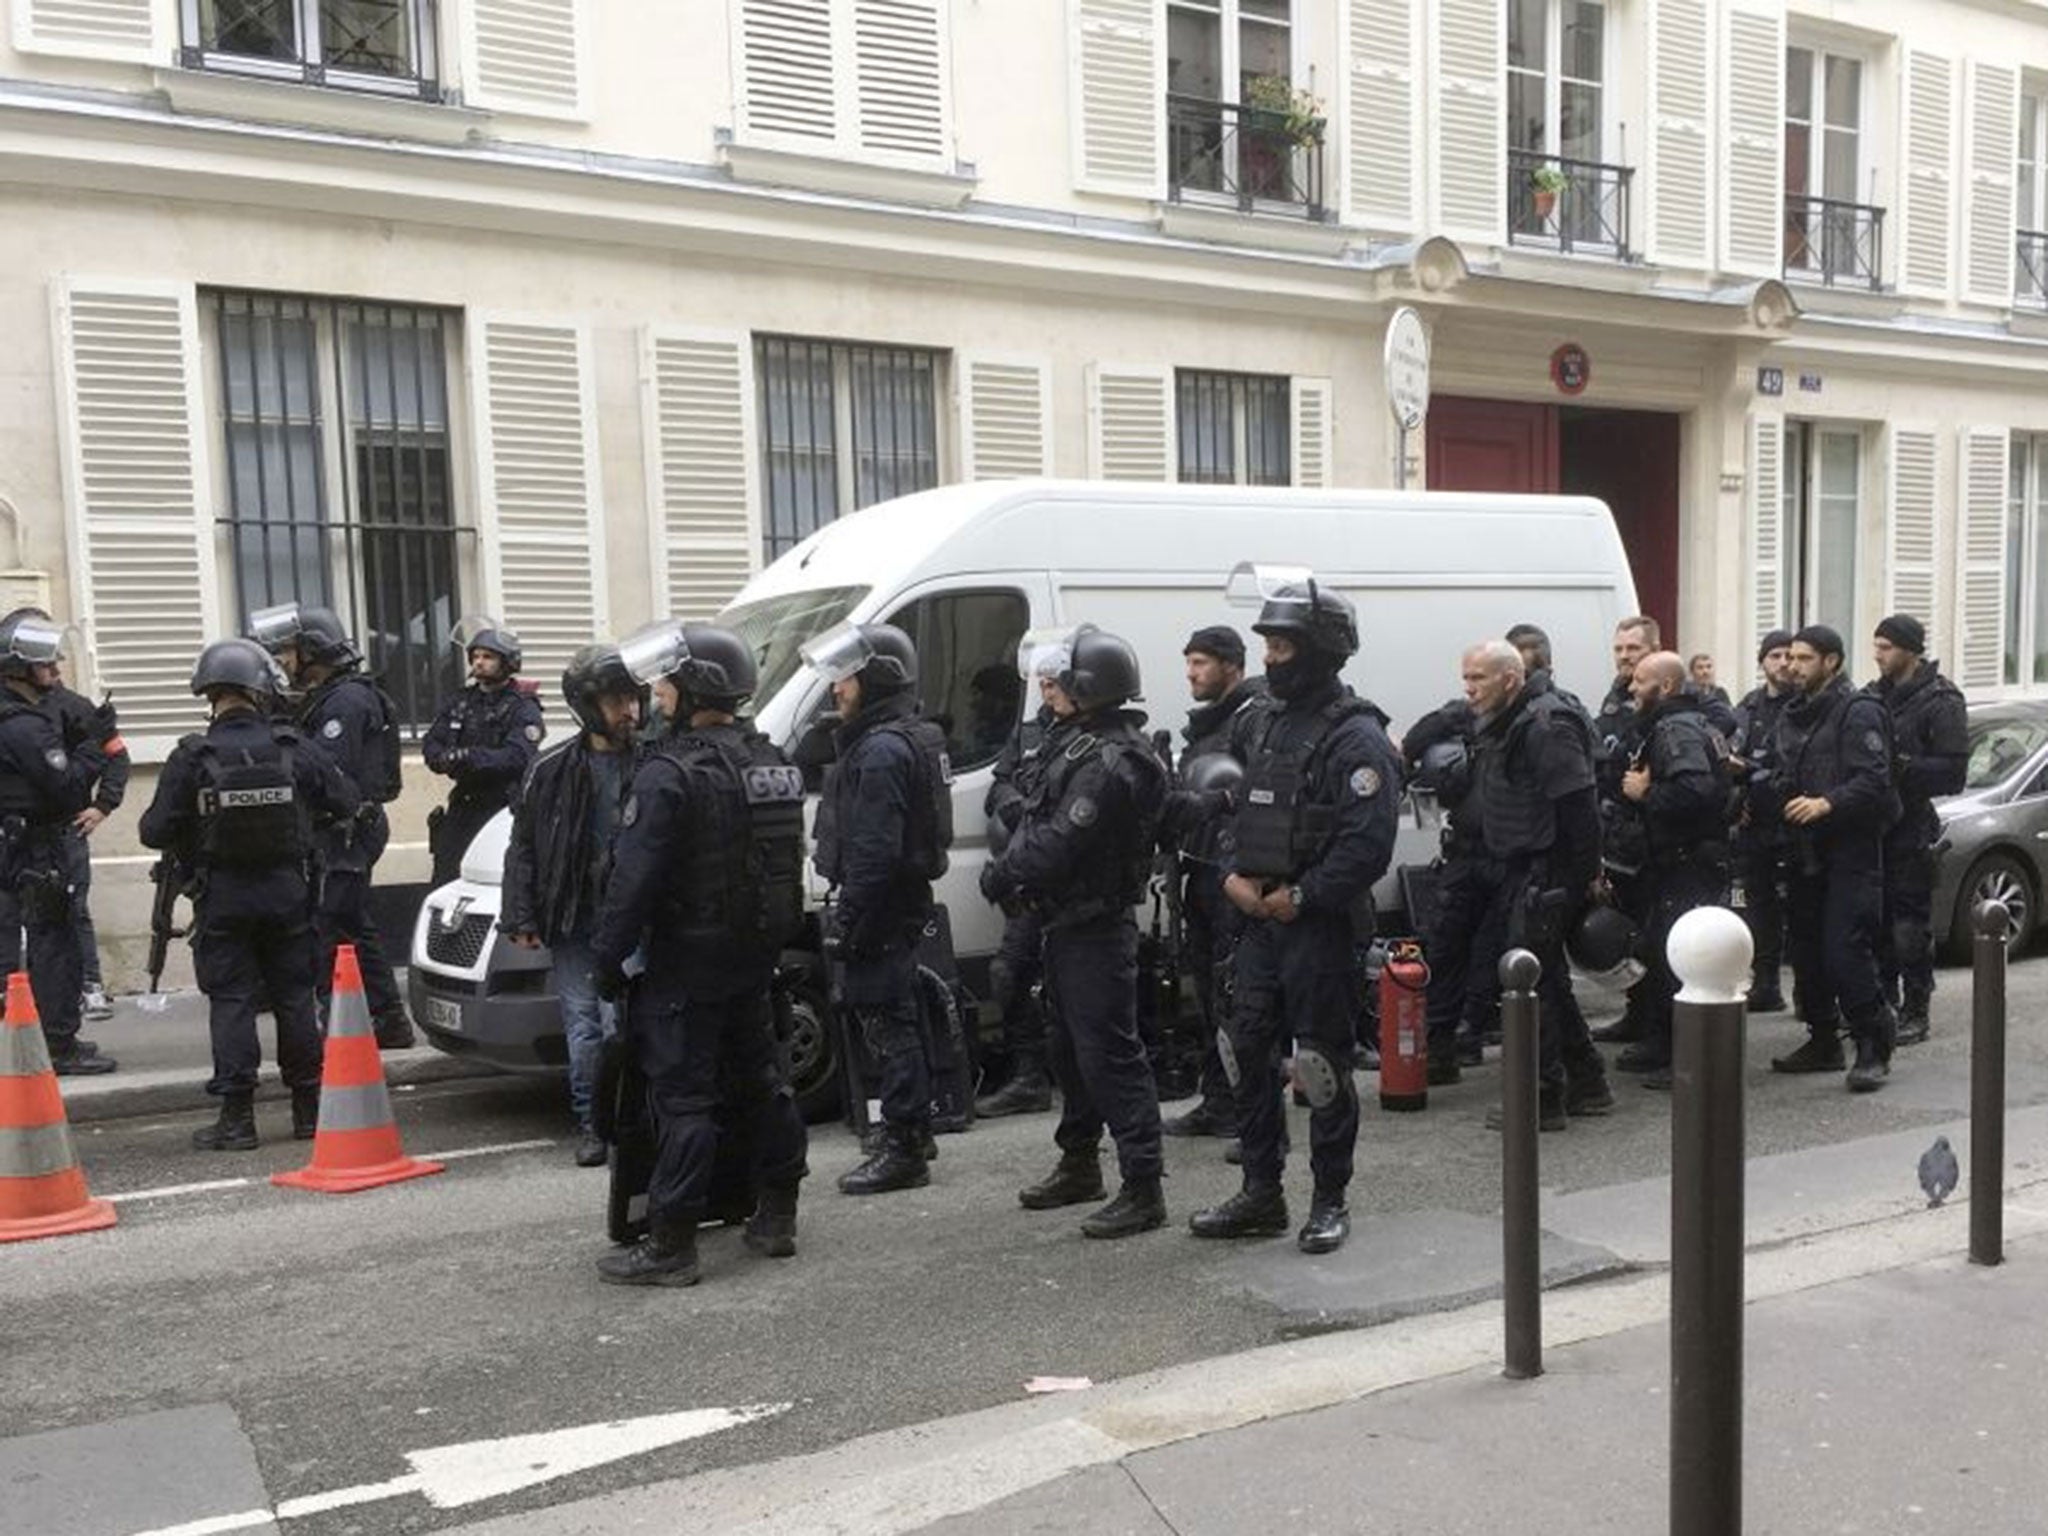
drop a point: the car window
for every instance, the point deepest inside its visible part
(773, 628)
(1999, 747)
(967, 667)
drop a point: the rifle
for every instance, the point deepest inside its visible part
(170, 881)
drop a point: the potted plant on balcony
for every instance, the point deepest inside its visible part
(1545, 182)
(1278, 107)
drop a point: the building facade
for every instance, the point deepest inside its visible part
(576, 313)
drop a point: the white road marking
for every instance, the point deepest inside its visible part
(166, 1191)
(503, 1146)
(451, 1476)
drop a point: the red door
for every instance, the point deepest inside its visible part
(1492, 445)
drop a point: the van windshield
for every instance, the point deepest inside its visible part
(773, 628)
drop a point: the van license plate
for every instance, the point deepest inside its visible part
(436, 1013)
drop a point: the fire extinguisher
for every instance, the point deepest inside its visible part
(1404, 1034)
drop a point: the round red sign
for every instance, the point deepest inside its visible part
(1570, 369)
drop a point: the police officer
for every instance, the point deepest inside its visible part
(1760, 839)
(81, 721)
(237, 808)
(883, 833)
(1539, 812)
(559, 859)
(1457, 932)
(1081, 860)
(707, 883)
(1616, 736)
(43, 787)
(1930, 753)
(1835, 793)
(1014, 973)
(1314, 829)
(484, 739)
(347, 715)
(1677, 786)
(1197, 831)
(1533, 641)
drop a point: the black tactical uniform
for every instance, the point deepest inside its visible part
(1683, 823)
(1315, 823)
(1930, 754)
(707, 883)
(1540, 817)
(1760, 839)
(1014, 973)
(237, 808)
(1080, 860)
(484, 739)
(883, 830)
(1617, 737)
(1835, 743)
(43, 786)
(1461, 935)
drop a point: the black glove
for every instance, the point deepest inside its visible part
(993, 886)
(106, 724)
(455, 759)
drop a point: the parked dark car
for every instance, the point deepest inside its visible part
(1994, 841)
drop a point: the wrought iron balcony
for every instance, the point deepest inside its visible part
(1835, 243)
(1258, 160)
(2030, 271)
(1568, 205)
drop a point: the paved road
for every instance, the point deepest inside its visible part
(329, 1337)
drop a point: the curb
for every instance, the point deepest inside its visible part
(171, 1090)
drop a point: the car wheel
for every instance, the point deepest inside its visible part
(810, 1047)
(1995, 877)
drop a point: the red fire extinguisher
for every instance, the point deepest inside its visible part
(1404, 1035)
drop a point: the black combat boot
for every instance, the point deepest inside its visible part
(1444, 1070)
(305, 1113)
(1765, 995)
(1586, 1093)
(394, 1032)
(1028, 1092)
(899, 1163)
(1139, 1206)
(1328, 1224)
(666, 1256)
(235, 1130)
(1913, 1026)
(771, 1230)
(1251, 1212)
(1874, 1043)
(1822, 1052)
(1551, 1111)
(876, 1136)
(1075, 1179)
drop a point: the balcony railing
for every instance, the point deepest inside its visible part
(1223, 151)
(1838, 244)
(2030, 270)
(1584, 207)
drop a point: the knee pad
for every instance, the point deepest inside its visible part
(1321, 1077)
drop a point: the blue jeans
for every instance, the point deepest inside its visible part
(587, 1022)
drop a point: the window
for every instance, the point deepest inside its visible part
(842, 427)
(1998, 746)
(1229, 90)
(369, 45)
(2030, 274)
(967, 667)
(1233, 428)
(1556, 64)
(2026, 563)
(1823, 476)
(1826, 230)
(335, 422)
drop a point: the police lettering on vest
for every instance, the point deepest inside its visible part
(250, 817)
(742, 882)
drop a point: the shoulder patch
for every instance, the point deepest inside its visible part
(1082, 812)
(56, 759)
(631, 813)
(1873, 743)
(1365, 782)
(533, 733)
(331, 729)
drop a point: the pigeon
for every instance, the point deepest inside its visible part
(1938, 1171)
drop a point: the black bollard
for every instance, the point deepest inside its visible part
(1521, 1236)
(1710, 952)
(1987, 1085)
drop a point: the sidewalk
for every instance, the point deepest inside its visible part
(167, 1057)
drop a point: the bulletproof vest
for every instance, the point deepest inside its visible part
(931, 818)
(1915, 733)
(384, 753)
(18, 796)
(1117, 878)
(740, 884)
(1668, 735)
(1282, 825)
(1517, 814)
(250, 815)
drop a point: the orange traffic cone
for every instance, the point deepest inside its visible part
(356, 1145)
(42, 1191)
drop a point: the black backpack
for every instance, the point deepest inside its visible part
(931, 820)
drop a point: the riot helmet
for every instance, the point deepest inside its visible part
(481, 632)
(29, 639)
(316, 632)
(240, 664)
(1320, 621)
(594, 671)
(1212, 771)
(881, 656)
(1092, 667)
(707, 665)
(1603, 946)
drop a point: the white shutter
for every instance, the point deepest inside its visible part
(1912, 525)
(1753, 139)
(136, 496)
(537, 467)
(1005, 418)
(1765, 517)
(1116, 64)
(703, 482)
(1309, 417)
(1681, 109)
(1468, 49)
(125, 30)
(1981, 575)
(786, 70)
(1988, 240)
(899, 51)
(1378, 110)
(1927, 151)
(525, 56)
(1130, 424)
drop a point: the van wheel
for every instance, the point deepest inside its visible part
(810, 1048)
(1995, 877)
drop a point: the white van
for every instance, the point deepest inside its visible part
(967, 569)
